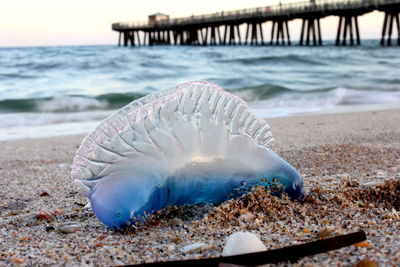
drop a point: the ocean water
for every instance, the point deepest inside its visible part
(52, 91)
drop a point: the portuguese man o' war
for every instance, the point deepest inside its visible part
(191, 144)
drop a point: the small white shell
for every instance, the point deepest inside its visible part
(242, 243)
(69, 228)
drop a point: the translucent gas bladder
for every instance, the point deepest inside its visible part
(194, 143)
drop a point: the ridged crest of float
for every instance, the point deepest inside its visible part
(129, 129)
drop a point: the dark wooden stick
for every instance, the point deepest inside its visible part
(290, 253)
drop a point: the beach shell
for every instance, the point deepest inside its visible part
(242, 243)
(194, 143)
(69, 228)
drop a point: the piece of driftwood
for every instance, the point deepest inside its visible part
(290, 253)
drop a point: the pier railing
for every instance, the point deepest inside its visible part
(292, 10)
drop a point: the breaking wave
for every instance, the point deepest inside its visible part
(277, 95)
(68, 103)
(66, 90)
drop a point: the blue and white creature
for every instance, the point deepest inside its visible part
(194, 143)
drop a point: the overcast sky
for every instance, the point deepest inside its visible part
(80, 22)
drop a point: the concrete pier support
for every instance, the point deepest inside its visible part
(310, 31)
(119, 38)
(255, 32)
(232, 31)
(391, 18)
(348, 28)
(280, 33)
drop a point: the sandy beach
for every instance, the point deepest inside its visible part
(350, 164)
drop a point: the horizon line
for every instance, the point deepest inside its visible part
(116, 45)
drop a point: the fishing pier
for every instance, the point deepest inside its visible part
(223, 28)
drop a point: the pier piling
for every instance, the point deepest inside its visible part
(391, 18)
(348, 26)
(281, 36)
(310, 29)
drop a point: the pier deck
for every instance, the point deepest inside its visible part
(222, 28)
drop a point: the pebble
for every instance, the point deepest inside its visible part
(247, 217)
(373, 184)
(367, 262)
(380, 174)
(49, 228)
(48, 215)
(44, 194)
(177, 221)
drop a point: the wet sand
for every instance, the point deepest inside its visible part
(345, 160)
